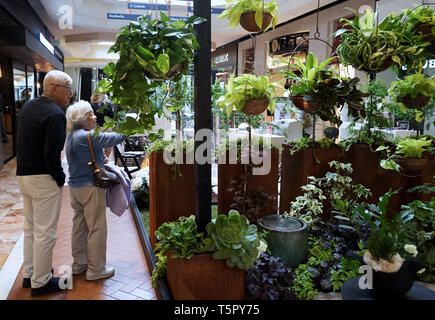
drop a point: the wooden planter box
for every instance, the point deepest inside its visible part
(169, 197)
(203, 278)
(368, 172)
(230, 183)
(296, 168)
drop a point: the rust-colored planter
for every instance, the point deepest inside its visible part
(255, 107)
(229, 183)
(368, 172)
(296, 168)
(169, 197)
(414, 103)
(247, 21)
(203, 278)
(412, 165)
(306, 106)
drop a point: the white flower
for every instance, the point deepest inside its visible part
(136, 183)
(261, 248)
(410, 248)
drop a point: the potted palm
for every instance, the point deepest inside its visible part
(253, 15)
(414, 91)
(248, 93)
(210, 266)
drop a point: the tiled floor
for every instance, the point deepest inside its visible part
(124, 251)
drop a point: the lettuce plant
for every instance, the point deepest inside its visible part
(234, 240)
(235, 8)
(246, 87)
(412, 148)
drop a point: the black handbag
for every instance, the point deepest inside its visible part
(103, 178)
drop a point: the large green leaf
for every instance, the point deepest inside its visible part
(163, 63)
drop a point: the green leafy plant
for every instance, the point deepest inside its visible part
(234, 240)
(413, 86)
(230, 237)
(420, 15)
(335, 187)
(247, 87)
(303, 283)
(235, 8)
(374, 47)
(326, 88)
(149, 50)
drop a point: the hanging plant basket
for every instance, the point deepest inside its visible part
(388, 62)
(412, 165)
(171, 74)
(247, 21)
(426, 30)
(414, 103)
(254, 107)
(310, 107)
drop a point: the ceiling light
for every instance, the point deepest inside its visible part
(106, 43)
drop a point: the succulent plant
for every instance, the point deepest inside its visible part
(234, 239)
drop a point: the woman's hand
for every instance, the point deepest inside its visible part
(106, 159)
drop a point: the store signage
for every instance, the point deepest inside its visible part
(148, 6)
(221, 58)
(213, 10)
(288, 43)
(46, 43)
(123, 16)
(430, 64)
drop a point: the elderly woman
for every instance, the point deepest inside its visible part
(89, 231)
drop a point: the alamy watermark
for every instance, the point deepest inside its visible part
(65, 13)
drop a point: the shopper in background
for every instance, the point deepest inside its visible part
(41, 137)
(89, 233)
(2, 127)
(98, 101)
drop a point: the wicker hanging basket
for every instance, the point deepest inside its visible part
(247, 21)
(310, 107)
(414, 103)
(255, 107)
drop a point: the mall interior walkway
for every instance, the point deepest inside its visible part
(131, 281)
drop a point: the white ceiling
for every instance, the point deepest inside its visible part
(90, 23)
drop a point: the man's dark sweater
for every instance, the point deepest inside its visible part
(40, 140)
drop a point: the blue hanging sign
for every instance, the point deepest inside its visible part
(213, 10)
(148, 6)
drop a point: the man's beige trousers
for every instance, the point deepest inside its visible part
(89, 233)
(42, 200)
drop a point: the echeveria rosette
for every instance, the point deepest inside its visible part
(234, 240)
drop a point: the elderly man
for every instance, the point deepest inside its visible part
(41, 137)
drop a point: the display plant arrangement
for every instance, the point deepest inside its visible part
(150, 51)
(410, 155)
(140, 187)
(414, 91)
(322, 92)
(421, 19)
(229, 238)
(248, 93)
(393, 276)
(373, 47)
(253, 15)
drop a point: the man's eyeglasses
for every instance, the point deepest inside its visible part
(60, 85)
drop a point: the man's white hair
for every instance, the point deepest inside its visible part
(78, 113)
(56, 77)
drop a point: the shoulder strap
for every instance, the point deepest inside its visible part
(90, 146)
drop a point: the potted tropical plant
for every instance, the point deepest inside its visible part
(150, 51)
(373, 47)
(409, 155)
(210, 266)
(421, 19)
(248, 93)
(253, 15)
(393, 276)
(414, 91)
(320, 91)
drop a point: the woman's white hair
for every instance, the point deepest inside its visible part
(56, 77)
(78, 113)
